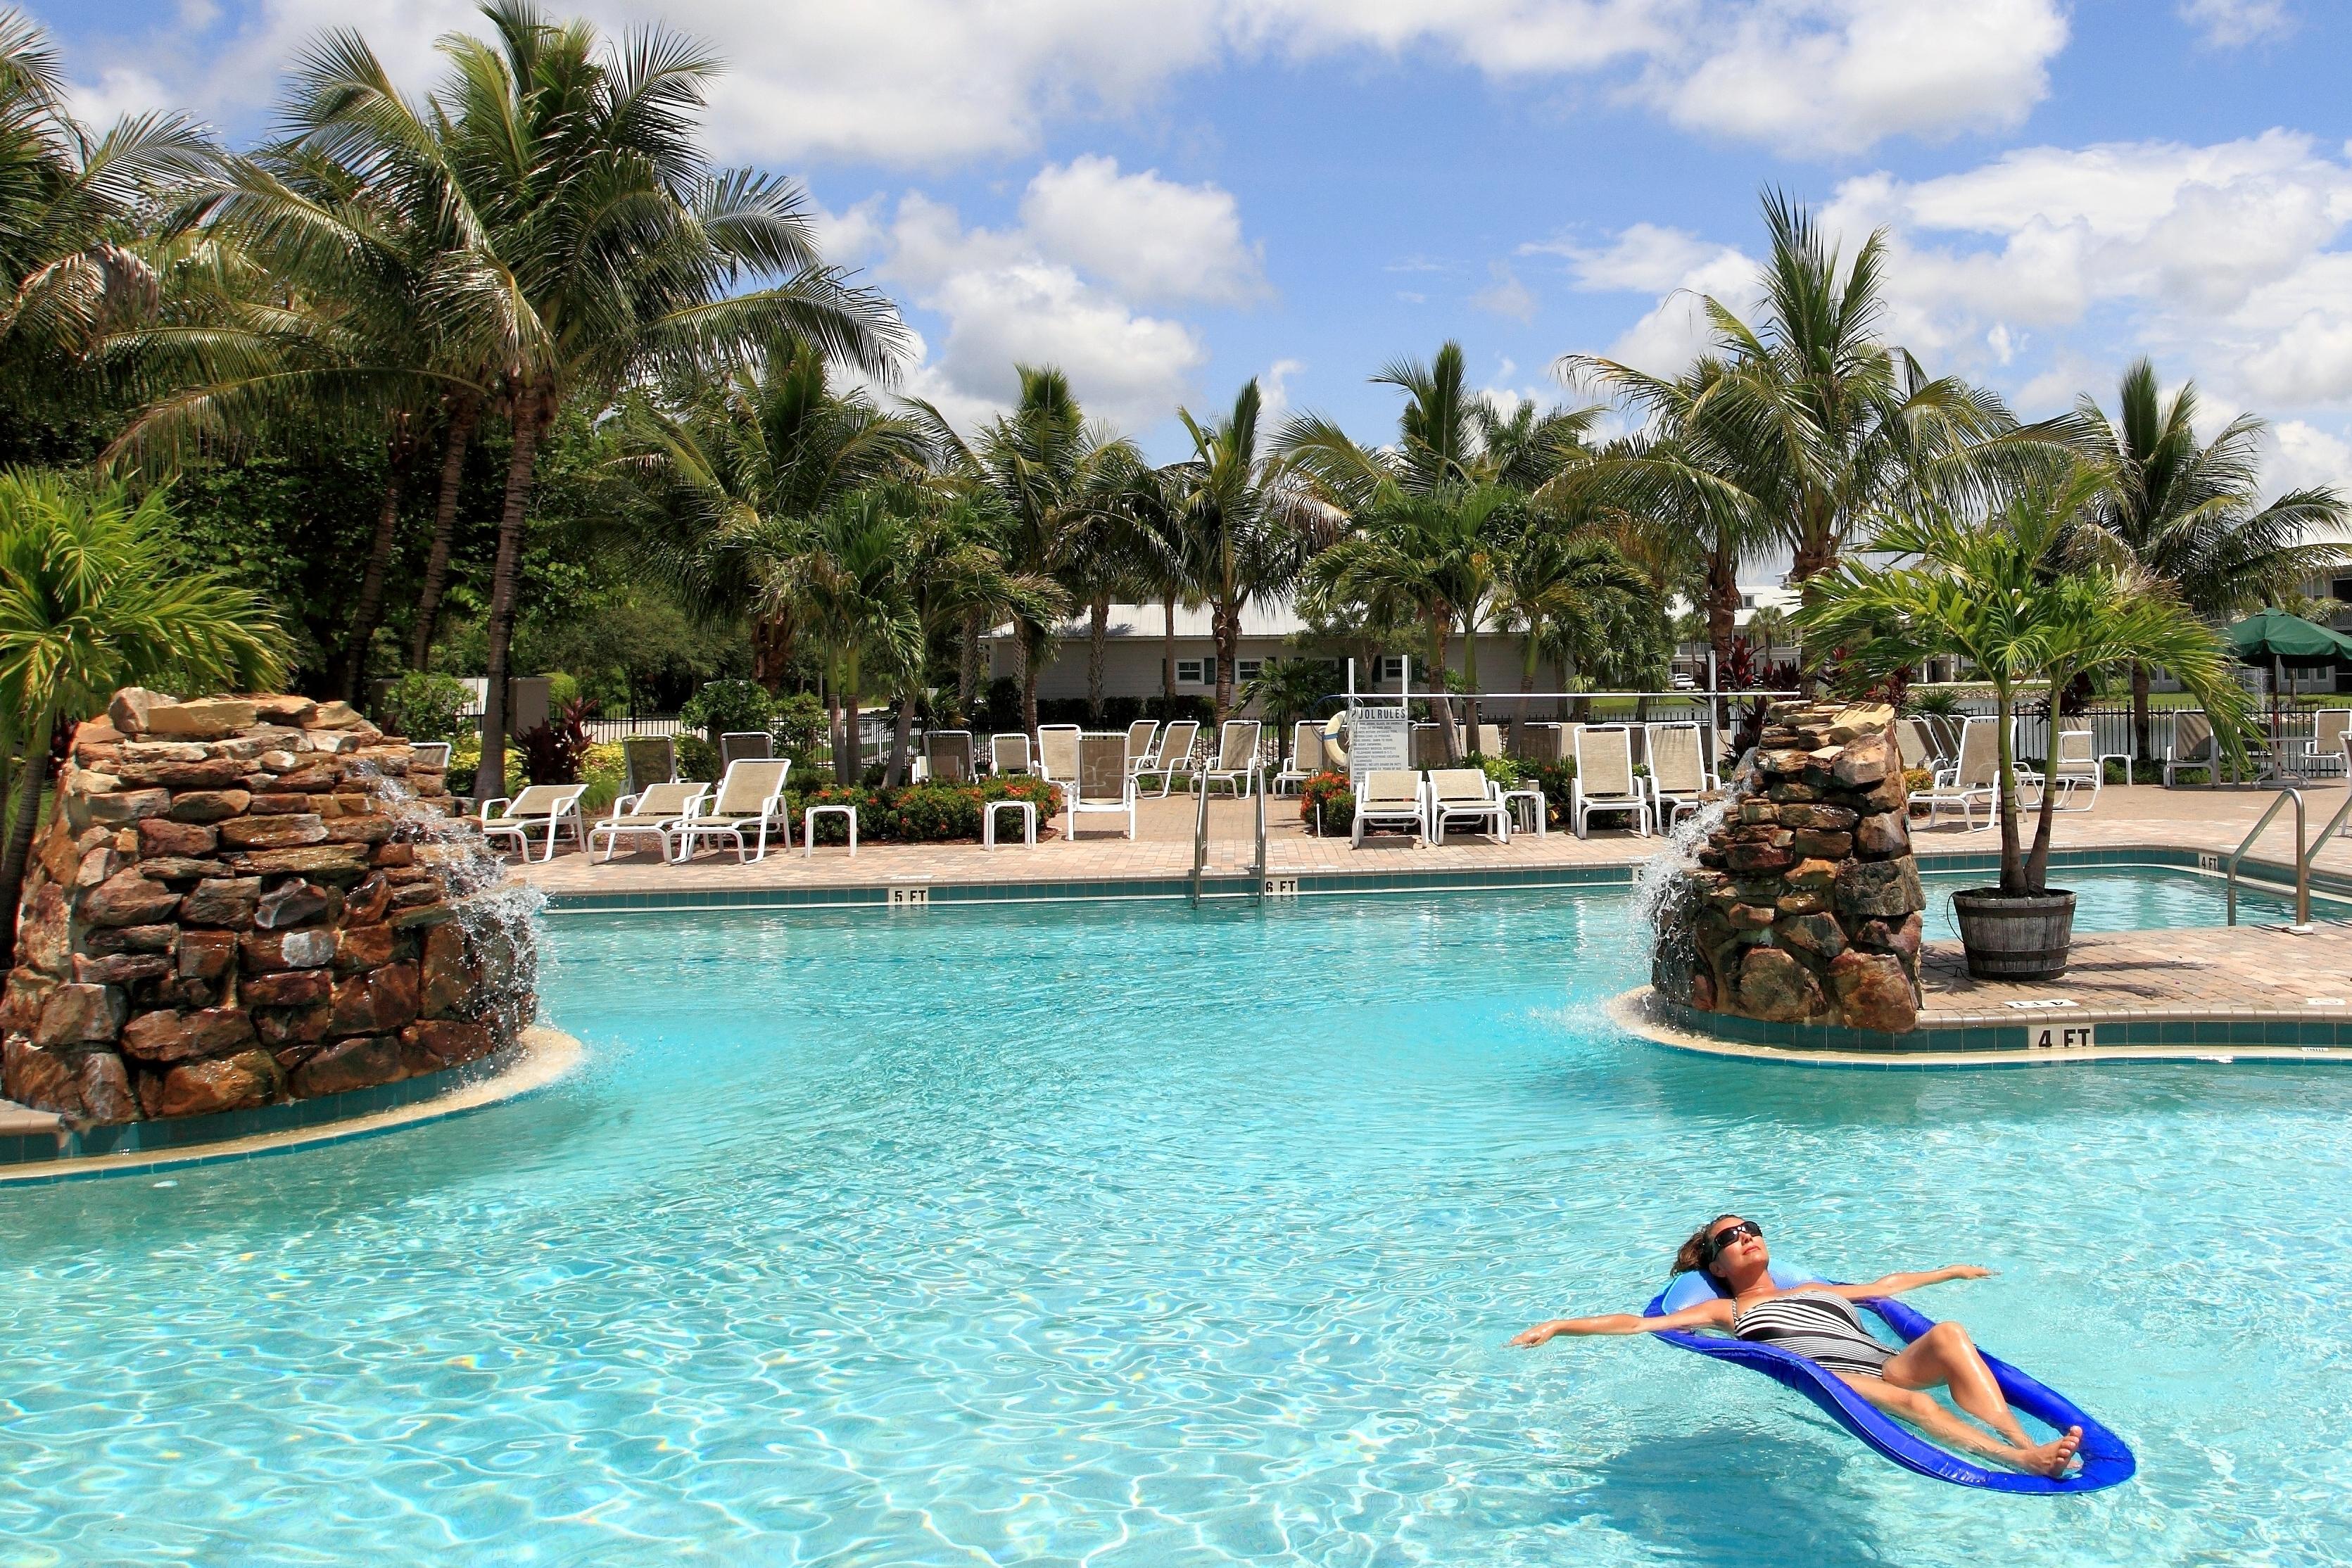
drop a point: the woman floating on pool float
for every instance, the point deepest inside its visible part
(1818, 1322)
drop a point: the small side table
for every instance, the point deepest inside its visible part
(1537, 807)
(808, 826)
(989, 809)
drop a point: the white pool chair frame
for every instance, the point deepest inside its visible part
(1391, 796)
(1078, 803)
(1015, 742)
(1170, 759)
(2182, 753)
(1305, 743)
(1677, 791)
(632, 816)
(1236, 759)
(742, 802)
(930, 773)
(1974, 777)
(551, 809)
(432, 754)
(1611, 745)
(1050, 737)
(1141, 750)
(1454, 796)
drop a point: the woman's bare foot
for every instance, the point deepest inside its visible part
(2049, 1458)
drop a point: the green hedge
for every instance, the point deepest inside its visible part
(918, 814)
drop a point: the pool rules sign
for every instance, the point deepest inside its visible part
(1379, 740)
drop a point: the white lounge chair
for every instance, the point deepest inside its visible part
(947, 756)
(745, 745)
(1057, 753)
(749, 800)
(1008, 753)
(547, 811)
(1236, 759)
(1142, 737)
(1100, 785)
(2077, 764)
(1173, 757)
(647, 760)
(2323, 754)
(1913, 746)
(1605, 779)
(1680, 780)
(2192, 747)
(655, 810)
(1974, 779)
(1390, 797)
(1305, 757)
(1465, 795)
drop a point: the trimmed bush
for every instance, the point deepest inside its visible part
(1326, 802)
(918, 814)
(424, 707)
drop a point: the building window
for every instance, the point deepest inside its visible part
(1189, 672)
(1391, 667)
(1247, 669)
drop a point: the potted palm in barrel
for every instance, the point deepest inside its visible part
(2023, 591)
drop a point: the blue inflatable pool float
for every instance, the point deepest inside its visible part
(2105, 1461)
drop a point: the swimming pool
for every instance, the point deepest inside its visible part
(1136, 1233)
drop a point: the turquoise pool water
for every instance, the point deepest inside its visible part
(1132, 1234)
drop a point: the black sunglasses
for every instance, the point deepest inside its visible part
(1731, 1233)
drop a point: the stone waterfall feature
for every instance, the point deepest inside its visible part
(245, 900)
(1804, 904)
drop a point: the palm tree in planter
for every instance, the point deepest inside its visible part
(2001, 591)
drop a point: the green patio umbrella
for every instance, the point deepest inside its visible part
(2276, 636)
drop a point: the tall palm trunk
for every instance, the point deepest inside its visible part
(1516, 745)
(849, 757)
(19, 849)
(2012, 878)
(1470, 679)
(902, 738)
(531, 409)
(1168, 656)
(1722, 622)
(379, 566)
(1030, 657)
(2037, 864)
(1226, 628)
(1097, 652)
(464, 413)
(968, 667)
(1440, 706)
(2143, 724)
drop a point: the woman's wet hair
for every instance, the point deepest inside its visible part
(1698, 1251)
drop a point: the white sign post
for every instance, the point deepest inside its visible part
(1379, 740)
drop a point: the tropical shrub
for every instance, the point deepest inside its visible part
(605, 772)
(921, 812)
(1328, 802)
(552, 754)
(697, 758)
(728, 706)
(425, 707)
(799, 724)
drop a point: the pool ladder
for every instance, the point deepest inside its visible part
(2305, 851)
(1201, 834)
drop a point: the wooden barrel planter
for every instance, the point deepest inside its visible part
(2015, 936)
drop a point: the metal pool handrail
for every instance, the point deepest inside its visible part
(2301, 857)
(1257, 877)
(1200, 832)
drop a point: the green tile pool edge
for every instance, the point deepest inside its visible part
(2263, 873)
(166, 1139)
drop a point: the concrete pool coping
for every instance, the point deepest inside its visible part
(542, 1058)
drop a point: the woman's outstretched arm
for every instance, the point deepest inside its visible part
(1896, 1284)
(1706, 1313)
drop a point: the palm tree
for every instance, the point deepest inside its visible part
(597, 246)
(1053, 477)
(1998, 589)
(1561, 590)
(1810, 419)
(1244, 526)
(1431, 556)
(768, 440)
(74, 262)
(2187, 512)
(90, 600)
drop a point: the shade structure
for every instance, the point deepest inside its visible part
(2275, 633)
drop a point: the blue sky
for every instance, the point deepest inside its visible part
(1168, 197)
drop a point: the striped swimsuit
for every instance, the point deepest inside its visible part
(1818, 1326)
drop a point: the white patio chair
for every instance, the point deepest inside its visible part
(647, 760)
(1465, 795)
(1008, 753)
(2077, 764)
(429, 755)
(1174, 756)
(1100, 785)
(1305, 756)
(655, 810)
(547, 810)
(1057, 753)
(1973, 780)
(1142, 738)
(1605, 779)
(1913, 746)
(947, 756)
(2323, 754)
(749, 800)
(745, 745)
(1680, 780)
(1490, 739)
(1236, 759)
(2192, 746)
(1391, 797)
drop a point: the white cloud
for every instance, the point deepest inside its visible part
(2302, 455)
(932, 83)
(1838, 76)
(1506, 296)
(1147, 237)
(1274, 391)
(117, 92)
(1644, 259)
(2230, 24)
(1683, 270)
